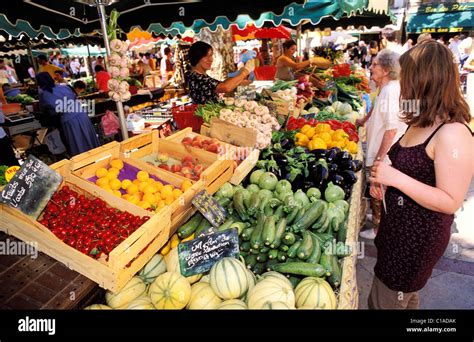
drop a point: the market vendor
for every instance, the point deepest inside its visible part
(203, 88)
(287, 67)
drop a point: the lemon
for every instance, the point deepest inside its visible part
(102, 181)
(167, 191)
(117, 193)
(151, 181)
(150, 198)
(142, 176)
(132, 189)
(126, 196)
(136, 182)
(177, 193)
(115, 184)
(144, 204)
(186, 185)
(158, 185)
(143, 185)
(169, 200)
(126, 183)
(134, 199)
(116, 163)
(101, 172)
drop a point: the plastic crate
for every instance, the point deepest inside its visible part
(184, 117)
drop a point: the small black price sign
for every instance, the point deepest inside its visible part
(330, 85)
(198, 255)
(210, 208)
(31, 187)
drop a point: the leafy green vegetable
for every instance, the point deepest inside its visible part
(3, 168)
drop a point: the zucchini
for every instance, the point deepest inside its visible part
(254, 203)
(273, 254)
(336, 274)
(320, 221)
(239, 205)
(342, 232)
(245, 246)
(240, 226)
(300, 214)
(278, 213)
(326, 262)
(264, 250)
(226, 224)
(310, 217)
(254, 251)
(343, 250)
(324, 227)
(262, 257)
(294, 249)
(203, 227)
(282, 256)
(294, 281)
(190, 227)
(243, 254)
(259, 268)
(224, 201)
(316, 253)
(306, 247)
(289, 239)
(301, 268)
(245, 236)
(279, 231)
(250, 261)
(256, 237)
(270, 263)
(284, 248)
(269, 228)
(268, 210)
(246, 197)
(292, 215)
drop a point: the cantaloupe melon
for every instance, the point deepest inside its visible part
(98, 307)
(315, 293)
(132, 290)
(271, 290)
(203, 297)
(229, 278)
(153, 269)
(232, 304)
(172, 265)
(276, 306)
(141, 303)
(170, 291)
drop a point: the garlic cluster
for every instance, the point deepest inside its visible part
(250, 114)
(118, 61)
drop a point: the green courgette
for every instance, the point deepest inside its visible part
(301, 268)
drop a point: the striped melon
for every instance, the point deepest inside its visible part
(203, 297)
(98, 307)
(232, 304)
(251, 281)
(229, 278)
(276, 306)
(172, 265)
(273, 274)
(153, 269)
(141, 303)
(315, 293)
(170, 291)
(271, 289)
(205, 279)
(132, 290)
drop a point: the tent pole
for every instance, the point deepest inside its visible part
(103, 24)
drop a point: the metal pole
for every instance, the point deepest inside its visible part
(103, 25)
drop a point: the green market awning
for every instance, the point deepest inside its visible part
(442, 18)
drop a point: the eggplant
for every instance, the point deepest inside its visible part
(307, 184)
(319, 153)
(337, 179)
(356, 165)
(319, 175)
(343, 156)
(281, 160)
(287, 144)
(333, 168)
(347, 192)
(349, 177)
(331, 156)
(276, 171)
(346, 165)
(335, 148)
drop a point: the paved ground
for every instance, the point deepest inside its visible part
(451, 285)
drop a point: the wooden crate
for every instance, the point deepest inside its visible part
(112, 274)
(217, 171)
(85, 165)
(241, 170)
(348, 292)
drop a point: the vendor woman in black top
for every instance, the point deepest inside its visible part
(203, 88)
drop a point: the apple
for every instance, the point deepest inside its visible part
(187, 141)
(185, 170)
(189, 176)
(179, 174)
(214, 148)
(187, 164)
(176, 168)
(195, 178)
(197, 138)
(164, 167)
(198, 169)
(163, 157)
(188, 159)
(196, 144)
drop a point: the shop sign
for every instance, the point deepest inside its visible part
(31, 187)
(210, 208)
(198, 255)
(442, 8)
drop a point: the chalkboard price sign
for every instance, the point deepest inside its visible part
(31, 187)
(210, 208)
(198, 255)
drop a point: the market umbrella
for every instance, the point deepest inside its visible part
(252, 32)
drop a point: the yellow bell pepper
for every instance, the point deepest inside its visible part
(322, 127)
(174, 241)
(339, 135)
(166, 248)
(301, 139)
(310, 132)
(337, 143)
(317, 143)
(352, 147)
(325, 136)
(305, 128)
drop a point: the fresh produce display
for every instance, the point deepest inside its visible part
(208, 111)
(187, 167)
(144, 190)
(88, 225)
(24, 99)
(3, 181)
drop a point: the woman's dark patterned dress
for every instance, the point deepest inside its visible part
(202, 88)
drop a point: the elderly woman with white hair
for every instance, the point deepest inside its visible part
(384, 126)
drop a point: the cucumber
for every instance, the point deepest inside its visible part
(282, 256)
(323, 238)
(245, 246)
(279, 231)
(203, 227)
(264, 250)
(240, 226)
(294, 249)
(300, 214)
(269, 228)
(256, 238)
(278, 213)
(292, 215)
(316, 253)
(342, 233)
(326, 262)
(254, 251)
(268, 210)
(306, 247)
(262, 257)
(246, 234)
(226, 224)
(310, 217)
(190, 227)
(259, 268)
(273, 254)
(289, 239)
(284, 248)
(324, 226)
(319, 222)
(246, 197)
(270, 263)
(250, 261)
(301, 268)
(239, 205)
(254, 203)
(336, 274)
